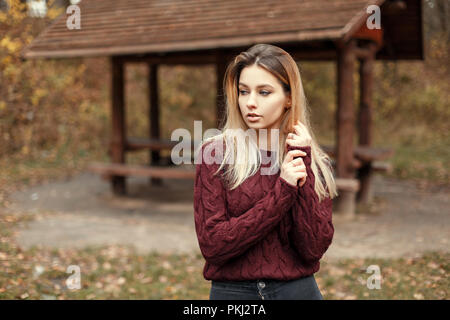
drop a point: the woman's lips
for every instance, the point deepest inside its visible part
(253, 118)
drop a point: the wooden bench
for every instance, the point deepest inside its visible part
(107, 170)
(347, 189)
(347, 184)
(381, 166)
(367, 161)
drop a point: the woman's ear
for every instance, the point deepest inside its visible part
(288, 102)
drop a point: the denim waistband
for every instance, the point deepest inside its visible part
(268, 283)
(304, 288)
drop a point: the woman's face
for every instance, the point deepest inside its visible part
(261, 93)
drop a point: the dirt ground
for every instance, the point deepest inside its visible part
(404, 220)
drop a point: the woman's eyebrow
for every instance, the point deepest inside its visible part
(258, 86)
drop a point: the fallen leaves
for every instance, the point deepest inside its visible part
(116, 272)
(418, 296)
(418, 277)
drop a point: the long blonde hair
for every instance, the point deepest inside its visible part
(240, 166)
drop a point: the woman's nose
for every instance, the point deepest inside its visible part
(251, 102)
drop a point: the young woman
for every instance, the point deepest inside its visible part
(261, 231)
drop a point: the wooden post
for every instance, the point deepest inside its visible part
(154, 116)
(345, 122)
(221, 66)
(117, 147)
(365, 194)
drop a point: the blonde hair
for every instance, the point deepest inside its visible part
(280, 64)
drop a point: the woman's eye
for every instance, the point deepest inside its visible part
(264, 93)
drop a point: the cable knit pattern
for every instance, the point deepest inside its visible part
(264, 229)
(313, 229)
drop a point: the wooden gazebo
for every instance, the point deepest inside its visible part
(212, 32)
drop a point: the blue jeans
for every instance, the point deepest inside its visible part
(266, 289)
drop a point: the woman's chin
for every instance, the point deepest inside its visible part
(254, 125)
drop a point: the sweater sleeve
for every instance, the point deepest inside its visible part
(221, 237)
(312, 230)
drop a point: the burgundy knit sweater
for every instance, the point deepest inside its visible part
(264, 229)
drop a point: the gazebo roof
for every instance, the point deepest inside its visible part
(127, 27)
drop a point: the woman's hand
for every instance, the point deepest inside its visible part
(301, 138)
(293, 169)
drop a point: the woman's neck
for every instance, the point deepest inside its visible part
(268, 144)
